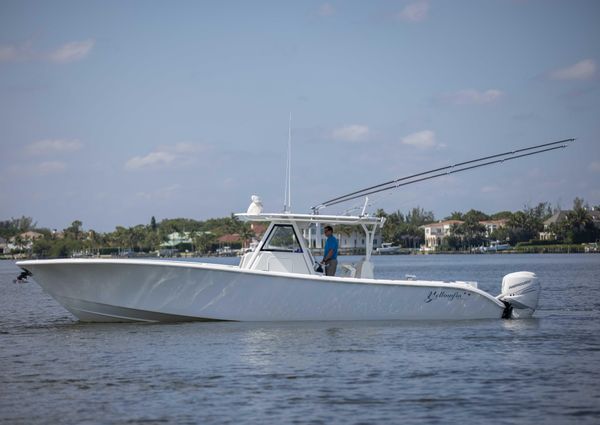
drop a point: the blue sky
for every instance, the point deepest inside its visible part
(112, 112)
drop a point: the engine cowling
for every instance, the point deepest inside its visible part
(521, 290)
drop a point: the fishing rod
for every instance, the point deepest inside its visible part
(326, 203)
(427, 175)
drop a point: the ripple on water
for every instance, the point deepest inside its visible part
(545, 370)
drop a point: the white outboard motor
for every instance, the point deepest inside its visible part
(521, 291)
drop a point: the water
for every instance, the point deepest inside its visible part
(543, 370)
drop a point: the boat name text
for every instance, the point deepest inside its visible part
(449, 296)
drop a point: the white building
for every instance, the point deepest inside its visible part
(560, 216)
(177, 238)
(436, 232)
(354, 240)
(23, 241)
(493, 225)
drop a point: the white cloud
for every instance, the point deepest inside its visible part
(182, 148)
(16, 52)
(153, 159)
(50, 167)
(415, 12)
(68, 52)
(40, 169)
(165, 156)
(351, 133)
(228, 183)
(422, 139)
(326, 9)
(582, 70)
(7, 53)
(53, 146)
(594, 167)
(472, 97)
(72, 51)
(489, 189)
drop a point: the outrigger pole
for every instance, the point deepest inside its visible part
(444, 171)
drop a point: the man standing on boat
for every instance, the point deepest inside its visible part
(330, 252)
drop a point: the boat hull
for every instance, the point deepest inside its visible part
(151, 290)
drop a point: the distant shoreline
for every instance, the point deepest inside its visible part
(553, 252)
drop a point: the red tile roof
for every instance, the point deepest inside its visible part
(232, 238)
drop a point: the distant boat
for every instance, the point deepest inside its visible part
(226, 251)
(387, 248)
(496, 246)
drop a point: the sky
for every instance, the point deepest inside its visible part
(112, 112)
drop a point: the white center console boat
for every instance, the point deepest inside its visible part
(275, 282)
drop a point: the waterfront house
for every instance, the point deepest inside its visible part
(435, 233)
(493, 225)
(355, 240)
(225, 243)
(23, 241)
(30, 236)
(595, 214)
(233, 238)
(556, 218)
(3, 246)
(560, 216)
(350, 240)
(177, 238)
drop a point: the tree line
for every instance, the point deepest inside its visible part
(403, 229)
(140, 238)
(577, 226)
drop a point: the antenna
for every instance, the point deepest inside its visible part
(287, 201)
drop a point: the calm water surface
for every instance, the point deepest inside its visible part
(543, 370)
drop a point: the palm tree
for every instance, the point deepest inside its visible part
(246, 234)
(391, 227)
(579, 225)
(455, 215)
(524, 225)
(203, 241)
(579, 218)
(74, 230)
(92, 241)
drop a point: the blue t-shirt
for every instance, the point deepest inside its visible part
(331, 243)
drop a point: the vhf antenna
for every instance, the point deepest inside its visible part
(287, 202)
